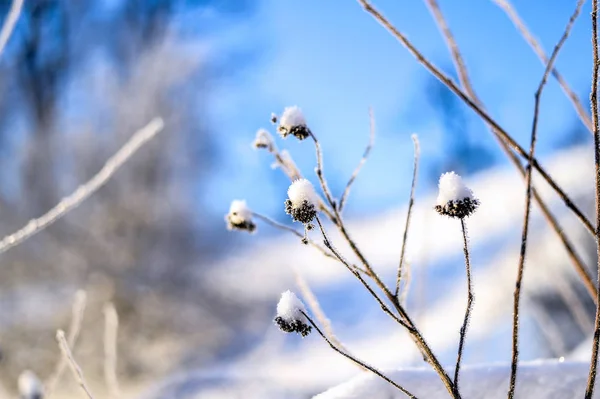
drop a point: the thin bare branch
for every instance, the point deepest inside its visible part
(356, 360)
(84, 191)
(528, 192)
(411, 202)
(319, 172)
(9, 23)
(589, 392)
(537, 48)
(470, 299)
(362, 160)
(111, 328)
(497, 129)
(79, 305)
(459, 63)
(75, 369)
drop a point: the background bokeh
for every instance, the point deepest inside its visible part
(196, 301)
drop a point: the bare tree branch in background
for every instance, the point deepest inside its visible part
(75, 369)
(537, 48)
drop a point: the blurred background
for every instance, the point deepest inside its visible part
(195, 301)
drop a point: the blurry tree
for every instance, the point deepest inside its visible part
(79, 77)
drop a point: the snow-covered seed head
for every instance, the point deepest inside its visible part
(240, 217)
(30, 387)
(454, 198)
(263, 140)
(290, 317)
(302, 201)
(292, 122)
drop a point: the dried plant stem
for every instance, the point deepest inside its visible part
(111, 328)
(357, 361)
(9, 23)
(537, 48)
(84, 191)
(411, 202)
(589, 392)
(528, 192)
(78, 311)
(470, 298)
(465, 82)
(75, 369)
(496, 128)
(319, 172)
(362, 160)
(405, 321)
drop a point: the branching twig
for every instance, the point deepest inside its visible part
(589, 392)
(497, 129)
(470, 298)
(521, 267)
(537, 48)
(459, 63)
(84, 191)
(74, 328)
(9, 23)
(111, 327)
(357, 361)
(77, 373)
(411, 202)
(362, 160)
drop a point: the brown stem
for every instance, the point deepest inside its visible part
(358, 361)
(470, 298)
(589, 392)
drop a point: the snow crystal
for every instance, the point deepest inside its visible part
(263, 139)
(293, 122)
(302, 201)
(30, 386)
(289, 314)
(455, 199)
(239, 217)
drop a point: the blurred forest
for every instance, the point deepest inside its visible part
(79, 77)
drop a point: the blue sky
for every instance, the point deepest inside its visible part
(334, 61)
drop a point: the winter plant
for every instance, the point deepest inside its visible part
(321, 210)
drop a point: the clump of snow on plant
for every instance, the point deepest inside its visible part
(452, 188)
(302, 190)
(290, 308)
(29, 385)
(263, 139)
(293, 122)
(239, 217)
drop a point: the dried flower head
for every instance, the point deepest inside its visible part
(302, 201)
(290, 315)
(455, 199)
(30, 387)
(292, 122)
(273, 118)
(263, 139)
(240, 217)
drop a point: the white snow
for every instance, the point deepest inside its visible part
(452, 188)
(263, 139)
(291, 117)
(29, 385)
(290, 308)
(238, 213)
(548, 379)
(302, 190)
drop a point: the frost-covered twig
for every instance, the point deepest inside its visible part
(497, 129)
(78, 311)
(75, 369)
(528, 192)
(358, 361)
(73, 200)
(537, 48)
(9, 23)
(589, 392)
(362, 160)
(111, 328)
(465, 82)
(319, 172)
(411, 202)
